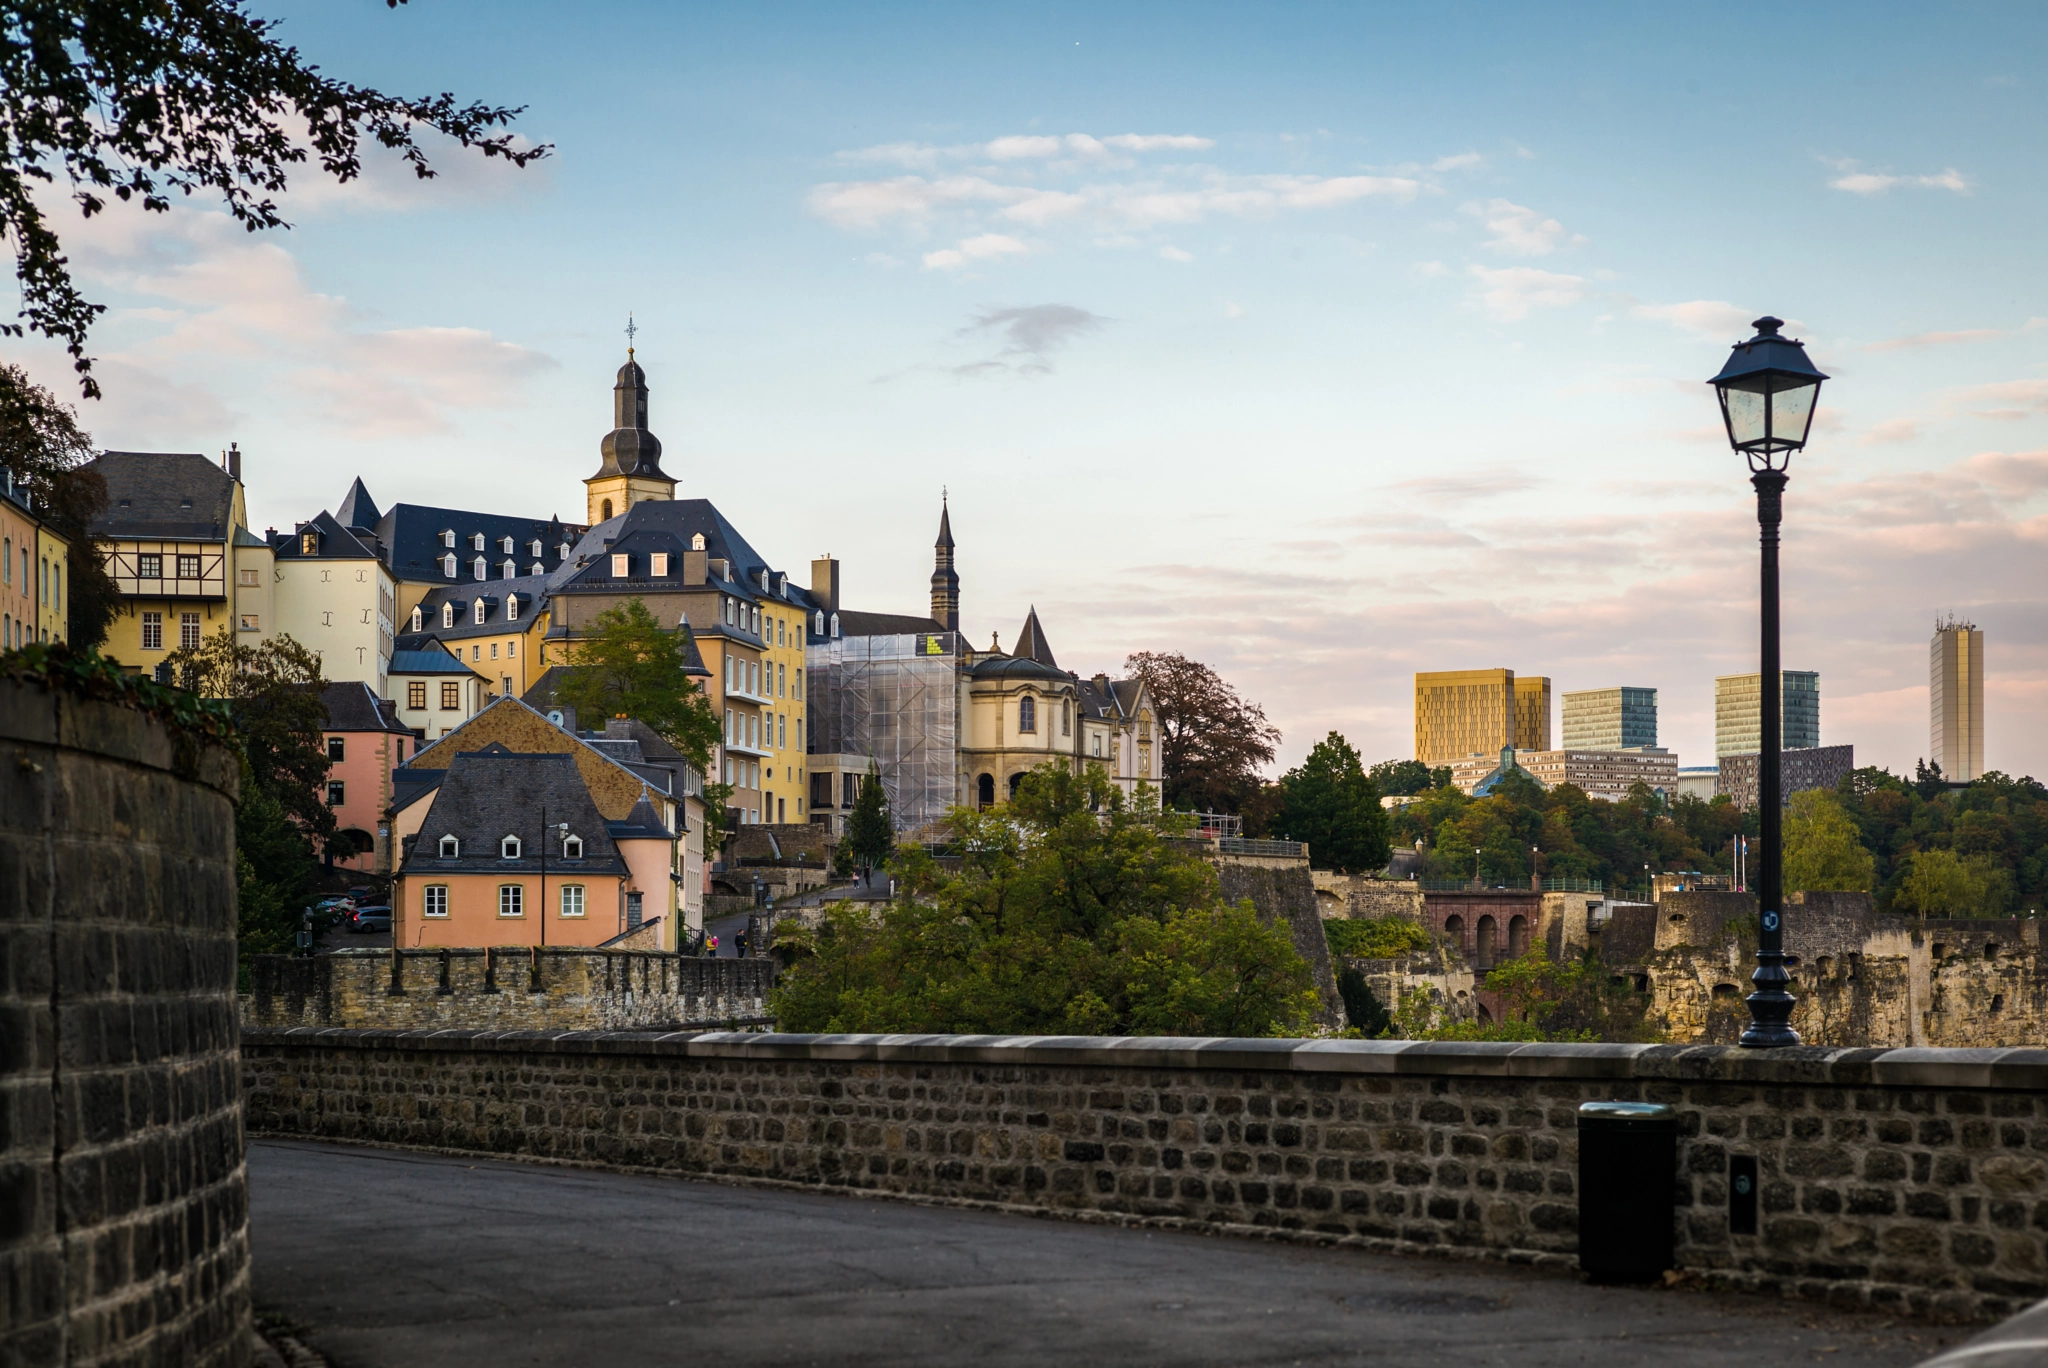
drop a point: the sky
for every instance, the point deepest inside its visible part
(1322, 344)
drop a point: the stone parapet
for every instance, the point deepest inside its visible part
(1915, 1179)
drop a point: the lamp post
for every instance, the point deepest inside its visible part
(1768, 391)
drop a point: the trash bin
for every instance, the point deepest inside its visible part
(1628, 1167)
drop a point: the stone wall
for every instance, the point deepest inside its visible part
(1914, 1180)
(514, 987)
(123, 1198)
(1286, 893)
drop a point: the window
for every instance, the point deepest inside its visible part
(152, 631)
(533, 548)
(512, 649)
(757, 622)
(416, 695)
(835, 626)
(511, 900)
(448, 536)
(418, 618)
(148, 565)
(188, 567)
(251, 623)
(572, 900)
(511, 607)
(451, 848)
(309, 543)
(604, 512)
(849, 789)
(476, 652)
(572, 847)
(505, 683)
(1027, 714)
(476, 541)
(754, 730)
(1066, 717)
(728, 723)
(538, 569)
(657, 564)
(797, 689)
(562, 551)
(781, 681)
(781, 632)
(505, 545)
(247, 578)
(697, 541)
(728, 672)
(448, 613)
(480, 568)
(435, 903)
(508, 848)
(6, 560)
(451, 697)
(494, 650)
(448, 564)
(782, 730)
(508, 571)
(337, 793)
(818, 623)
(622, 566)
(188, 631)
(477, 612)
(337, 749)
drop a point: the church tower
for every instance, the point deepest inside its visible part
(631, 472)
(945, 583)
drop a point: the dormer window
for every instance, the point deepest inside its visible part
(728, 571)
(782, 585)
(538, 569)
(697, 541)
(418, 618)
(505, 545)
(309, 544)
(451, 849)
(622, 565)
(818, 622)
(572, 847)
(764, 579)
(478, 612)
(562, 551)
(533, 548)
(448, 537)
(448, 614)
(448, 563)
(508, 571)
(835, 626)
(481, 568)
(511, 607)
(508, 848)
(476, 541)
(657, 564)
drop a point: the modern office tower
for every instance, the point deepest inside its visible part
(1610, 719)
(1738, 724)
(1532, 713)
(1468, 712)
(1955, 696)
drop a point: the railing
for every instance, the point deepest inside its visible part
(1468, 886)
(1285, 850)
(1574, 886)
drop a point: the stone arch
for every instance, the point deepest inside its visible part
(1454, 927)
(1487, 938)
(985, 791)
(606, 509)
(1016, 782)
(1518, 936)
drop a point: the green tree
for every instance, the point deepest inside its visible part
(870, 833)
(1941, 883)
(1404, 778)
(1070, 911)
(626, 664)
(44, 448)
(274, 692)
(138, 100)
(1332, 804)
(1823, 849)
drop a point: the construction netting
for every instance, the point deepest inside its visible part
(894, 699)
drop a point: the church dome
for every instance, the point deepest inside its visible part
(630, 448)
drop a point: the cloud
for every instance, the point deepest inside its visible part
(1431, 268)
(1510, 292)
(1251, 197)
(1950, 339)
(2015, 475)
(868, 204)
(986, 247)
(1010, 149)
(1876, 183)
(1232, 310)
(1519, 230)
(1706, 317)
(1160, 142)
(1461, 162)
(2014, 398)
(1025, 147)
(1172, 253)
(1892, 430)
(1030, 337)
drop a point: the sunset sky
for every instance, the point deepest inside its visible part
(1323, 344)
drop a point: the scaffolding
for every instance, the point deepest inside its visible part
(895, 700)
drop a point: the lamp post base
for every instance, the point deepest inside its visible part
(1770, 1006)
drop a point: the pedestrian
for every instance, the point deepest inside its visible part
(739, 942)
(714, 946)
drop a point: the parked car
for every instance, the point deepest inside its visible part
(366, 919)
(338, 903)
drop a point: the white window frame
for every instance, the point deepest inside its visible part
(481, 568)
(572, 903)
(657, 563)
(434, 900)
(448, 614)
(419, 619)
(451, 847)
(152, 631)
(477, 611)
(622, 564)
(572, 847)
(511, 900)
(448, 538)
(450, 569)
(511, 607)
(509, 847)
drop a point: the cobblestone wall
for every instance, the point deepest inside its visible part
(514, 987)
(123, 1198)
(1911, 1179)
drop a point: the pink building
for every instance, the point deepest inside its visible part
(365, 742)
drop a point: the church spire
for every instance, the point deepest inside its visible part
(631, 470)
(945, 582)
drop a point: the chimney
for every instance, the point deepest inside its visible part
(825, 582)
(234, 462)
(1102, 683)
(696, 568)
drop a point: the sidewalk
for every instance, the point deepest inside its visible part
(387, 1258)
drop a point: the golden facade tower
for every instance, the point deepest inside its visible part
(1955, 696)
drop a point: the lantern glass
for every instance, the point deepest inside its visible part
(1792, 413)
(1744, 411)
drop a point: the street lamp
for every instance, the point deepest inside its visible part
(1768, 391)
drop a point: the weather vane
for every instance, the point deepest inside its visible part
(630, 332)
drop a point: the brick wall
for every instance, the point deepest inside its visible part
(514, 987)
(1915, 1180)
(123, 1198)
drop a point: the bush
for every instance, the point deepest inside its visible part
(1375, 937)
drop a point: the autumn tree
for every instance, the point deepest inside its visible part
(1331, 803)
(45, 450)
(141, 100)
(1823, 851)
(1213, 741)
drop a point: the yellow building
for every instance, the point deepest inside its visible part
(50, 612)
(496, 628)
(1477, 712)
(31, 571)
(180, 553)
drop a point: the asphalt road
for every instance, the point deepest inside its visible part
(384, 1258)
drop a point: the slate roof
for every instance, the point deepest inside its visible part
(427, 656)
(856, 624)
(531, 589)
(358, 509)
(353, 707)
(670, 525)
(489, 794)
(335, 542)
(411, 534)
(408, 786)
(643, 821)
(1031, 643)
(167, 495)
(1015, 667)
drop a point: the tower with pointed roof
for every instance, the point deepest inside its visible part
(945, 581)
(631, 470)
